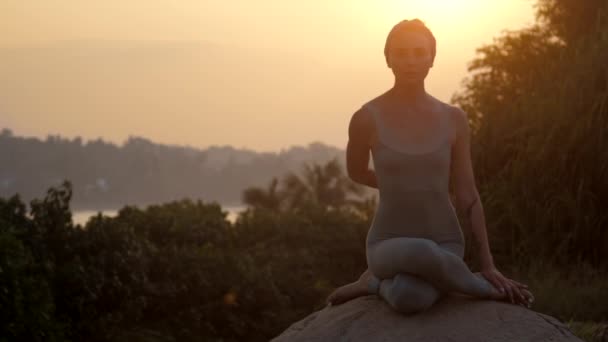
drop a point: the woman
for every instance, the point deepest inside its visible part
(419, 144)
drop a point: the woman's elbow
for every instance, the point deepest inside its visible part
(357, 176)
(464, 198)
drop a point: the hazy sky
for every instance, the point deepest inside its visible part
(294, 71)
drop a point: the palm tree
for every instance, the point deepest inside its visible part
(325, 186)
(259, 198)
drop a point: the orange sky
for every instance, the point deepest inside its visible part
(295, 71)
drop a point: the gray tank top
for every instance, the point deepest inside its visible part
(414, 198)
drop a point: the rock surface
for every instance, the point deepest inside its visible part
(453, 318)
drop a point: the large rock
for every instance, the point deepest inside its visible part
(453, 318)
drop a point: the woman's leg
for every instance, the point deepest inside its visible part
(407, 293)
(436, 269)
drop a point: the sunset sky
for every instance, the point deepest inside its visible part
(262, 75)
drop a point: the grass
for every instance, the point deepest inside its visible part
(577, 296)
(589, 331)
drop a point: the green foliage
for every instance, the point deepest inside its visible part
(575, 293)
(181, 272)
(26, 296)
(572, 20)
(173, 272)
(318, 187)
(589, 331)
(26, 302)
(538, 103)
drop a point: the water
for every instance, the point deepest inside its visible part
(82, 216)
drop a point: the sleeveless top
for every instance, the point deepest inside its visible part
(414, 198)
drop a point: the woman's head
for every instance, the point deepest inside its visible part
(410, 50)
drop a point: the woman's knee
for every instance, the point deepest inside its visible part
(410, 296)
(411, 303)
(426, 248)
(425, 255)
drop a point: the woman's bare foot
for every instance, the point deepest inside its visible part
(527, 300)
(350, 291)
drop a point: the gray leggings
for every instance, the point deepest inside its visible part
(413, 273)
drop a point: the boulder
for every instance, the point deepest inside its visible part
(453, 318)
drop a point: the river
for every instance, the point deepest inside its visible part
(82, 216)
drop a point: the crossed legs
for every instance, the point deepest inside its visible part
(411, 274)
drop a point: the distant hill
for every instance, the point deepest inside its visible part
(107, 176)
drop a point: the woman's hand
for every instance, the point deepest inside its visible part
(512, 288)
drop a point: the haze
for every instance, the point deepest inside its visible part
(261, 75)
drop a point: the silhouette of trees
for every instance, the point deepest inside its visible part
(173, 271)
(6, 133)
(572, 20)
(140, 172)
(324, 186)
(317, 186)
(537, 100)
(269, 198)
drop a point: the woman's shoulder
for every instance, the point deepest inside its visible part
(372, 107)
(443, 106)
(455, 113)
(365, 113)
(374, 103)
(362, 123)
(456, 118)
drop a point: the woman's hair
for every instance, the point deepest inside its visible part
(415, 25)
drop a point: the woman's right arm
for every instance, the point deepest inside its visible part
(357, 149)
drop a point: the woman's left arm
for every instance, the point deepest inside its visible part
(468, 202)
(465, 191)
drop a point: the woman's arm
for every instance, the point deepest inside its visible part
(467, 200)
(357, 149)
(466, 194)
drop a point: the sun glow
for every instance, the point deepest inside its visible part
(441, 10)
(302, 66)
(468, 19)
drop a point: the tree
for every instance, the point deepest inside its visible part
(6, 133)
(264, 199)
(325, 186)
(320, 186)
(536, 99)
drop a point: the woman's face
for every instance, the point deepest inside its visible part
(410, 56)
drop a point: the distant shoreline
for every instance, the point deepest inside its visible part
(82, 216)
(144, 205)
